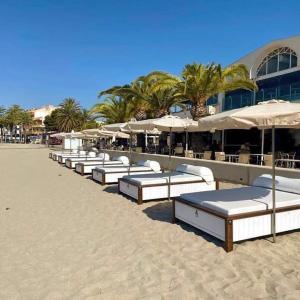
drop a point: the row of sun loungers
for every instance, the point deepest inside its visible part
(230, 215)
(109, 174)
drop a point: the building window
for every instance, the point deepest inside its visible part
(277, 60)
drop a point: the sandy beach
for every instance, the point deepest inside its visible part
(62, 236)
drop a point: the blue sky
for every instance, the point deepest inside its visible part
(55, 49)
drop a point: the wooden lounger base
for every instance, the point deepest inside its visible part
(238, 227)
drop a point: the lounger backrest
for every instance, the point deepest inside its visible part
(203, 172)
(123, 159)
(284, 184)
(103, 155)
(74, 151)
(82, 152)
(92, 154)
(152, 164)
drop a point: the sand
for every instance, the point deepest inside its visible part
(62, 236)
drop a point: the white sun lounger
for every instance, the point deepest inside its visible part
(112, 174)
(54, 155)
(63, 157)
(61, 152)
(185, 179)
(72, 161)
(86, 167)
(242, 213)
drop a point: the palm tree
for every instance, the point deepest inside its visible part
(86, 120)
(2, 122)
(26, 122)
(13, 118)
(135, 93)
(144, 101)
(68, 115)
(113, 109)
(199, 82)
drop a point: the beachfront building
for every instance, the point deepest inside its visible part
(275, 68)
(39, 115)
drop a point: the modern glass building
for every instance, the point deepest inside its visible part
(276, 69)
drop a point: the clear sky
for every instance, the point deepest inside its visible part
(53, 49)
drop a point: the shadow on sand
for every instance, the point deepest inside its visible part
(163, 212)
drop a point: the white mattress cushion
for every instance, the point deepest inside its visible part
(152, 164)
(160, 178)
(103, 155)
(203, 172)
(285, 184)
(92, 154)
(122, 159)
(122, 169)
(241, 200)
(74, 151)
(82, 152)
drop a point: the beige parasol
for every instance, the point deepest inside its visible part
(167, 123)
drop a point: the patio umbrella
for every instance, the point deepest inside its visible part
(266, 115)
(106, 134)
(167, 123)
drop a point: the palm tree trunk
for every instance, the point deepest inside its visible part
(198, 110)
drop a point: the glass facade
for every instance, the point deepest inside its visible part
(277, 60)
(285, 87)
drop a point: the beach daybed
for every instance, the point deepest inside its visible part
(86, 167)
(62, 157)
(92, 157)
(108, 174)
(54, 155)
(185, 179)
(242, 213)
(61, 152)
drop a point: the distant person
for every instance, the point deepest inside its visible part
(245, 149)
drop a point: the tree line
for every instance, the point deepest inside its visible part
(15, 116)
(153, 95)
(150, 96)
(67, 117)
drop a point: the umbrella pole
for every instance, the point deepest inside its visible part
(262, 146)
(273, 187)
(186, 141)
(130, 152)
(169, 181)
(223, 137)
(104, 144)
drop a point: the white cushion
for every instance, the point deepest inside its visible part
(159, 178)
(92, 154)
(285, 184)
(82, 152)
(122, 158)
(152, 164)
(74, 151)
(241, 200)
(103, 155)
(203, 172)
